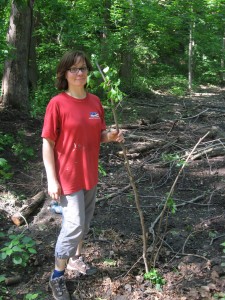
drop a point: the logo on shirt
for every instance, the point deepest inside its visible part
(94, 115)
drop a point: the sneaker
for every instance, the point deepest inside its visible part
(78, 265)
(59, 289)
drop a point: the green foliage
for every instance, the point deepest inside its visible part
(5, 140)
(18, 147)
(4, 50)
(173, 158)
(177, 91)
(155, 278)
(22, 152)
(219, 296)
(19, 249)
(111, 85)
(31, 296)
(171, 204)
(5, 170)
(128, 36)
(109, 262)
(3, 289)
(101, 170)
(41, 96)
(223, 244)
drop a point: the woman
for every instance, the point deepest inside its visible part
(74, 127)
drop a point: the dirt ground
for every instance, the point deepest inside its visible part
(161, 132)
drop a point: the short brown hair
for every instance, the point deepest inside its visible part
(69, 58)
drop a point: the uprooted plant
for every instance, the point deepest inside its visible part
(115, 96)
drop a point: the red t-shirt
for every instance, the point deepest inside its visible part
(75, 125)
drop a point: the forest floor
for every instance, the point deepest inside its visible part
(161, 131)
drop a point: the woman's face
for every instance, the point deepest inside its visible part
(77, 74)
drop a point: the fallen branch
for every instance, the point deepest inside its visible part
(141, 148)
(20, 217)
(189, 237)
(144, 138)
(216, 238)
(13, 280)
(192, 200)
(114, 194)
(212, 152)
(131, 126)
(165, 208)
(191, 254)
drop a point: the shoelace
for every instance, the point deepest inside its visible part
(60, 286)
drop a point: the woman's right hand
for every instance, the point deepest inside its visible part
(54, 190)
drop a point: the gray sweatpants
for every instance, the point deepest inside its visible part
(77, 210)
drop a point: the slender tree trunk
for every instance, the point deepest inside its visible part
(127, 54)
(190, 58)
(15, 82)
(222, 60)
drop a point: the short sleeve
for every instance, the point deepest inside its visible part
(51, 125)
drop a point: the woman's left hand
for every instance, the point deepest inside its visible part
(116, 136)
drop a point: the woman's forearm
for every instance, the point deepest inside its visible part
(105, 136)
(54, 188)
(48, 159)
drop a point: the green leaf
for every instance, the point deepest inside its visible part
(17, 249)
(26, 239)
(2, 234)
(97, 74)
(13, 236)
(17, 260)
(14, 243)
(32, 250)
(2, 278)
(9, 251)
(31, 296)
(3, 162)
(3, 256)
(109, 262)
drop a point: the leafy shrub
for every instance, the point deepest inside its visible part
(155, 278)
(19, 249)
(5, 170)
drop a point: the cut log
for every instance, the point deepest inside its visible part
(13, 280)
(142, 148)
(131, 126)
(19, 217)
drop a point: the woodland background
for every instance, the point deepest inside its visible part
(166, 61)
(173, 45)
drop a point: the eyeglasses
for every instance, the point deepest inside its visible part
(76, 70)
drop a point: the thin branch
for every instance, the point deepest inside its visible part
(132, 181)
(114, 194)
(216, 238)
(185, 242)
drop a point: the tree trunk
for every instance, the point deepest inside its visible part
(15, 82)
(190, 58)
(222, 61)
